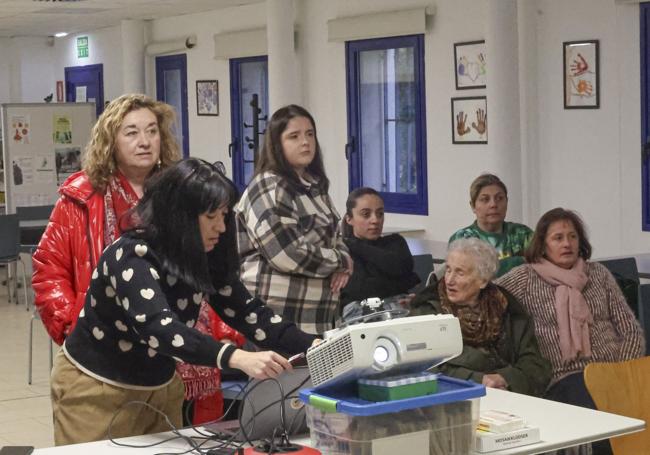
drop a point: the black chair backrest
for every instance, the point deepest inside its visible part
(34, 212)
(9, 236)
(626, 274)
(422, 266)
(644, 314)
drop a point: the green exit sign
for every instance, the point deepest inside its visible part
(82, 47)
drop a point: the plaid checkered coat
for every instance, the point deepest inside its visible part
(289, 245)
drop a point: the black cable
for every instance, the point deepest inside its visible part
(225, 444)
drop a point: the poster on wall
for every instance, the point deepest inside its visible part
(68, 161)
(62, 129)
(22, 170)
(44, 170)
(20, 125)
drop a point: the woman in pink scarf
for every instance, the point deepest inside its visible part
(579, 312)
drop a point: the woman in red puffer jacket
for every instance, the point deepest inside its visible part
(131, 140)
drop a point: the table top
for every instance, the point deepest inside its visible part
(561, 425)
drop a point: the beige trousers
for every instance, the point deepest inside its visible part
(83, 406)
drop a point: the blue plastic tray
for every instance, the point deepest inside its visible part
(344, 398)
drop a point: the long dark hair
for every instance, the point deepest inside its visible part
(167, 217)
(535, 251)
(271, 156)
(352, 203)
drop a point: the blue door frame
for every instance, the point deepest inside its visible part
(89, 76)
(176, 62)
(644, 9)
(238, 135)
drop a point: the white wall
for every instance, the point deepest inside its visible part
(209, 136)
(588, 159)
(104, 46)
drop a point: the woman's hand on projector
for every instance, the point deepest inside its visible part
(259, 365)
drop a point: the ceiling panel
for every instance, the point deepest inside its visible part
(45, 18)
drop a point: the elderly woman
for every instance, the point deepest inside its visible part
(489, 202)
(499, 345)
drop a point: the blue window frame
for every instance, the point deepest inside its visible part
(386, 147)
(645, 113)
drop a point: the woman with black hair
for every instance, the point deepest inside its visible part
(143, 302)
(293, 256)
(383, 264)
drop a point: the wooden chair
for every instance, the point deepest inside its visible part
(623, 388)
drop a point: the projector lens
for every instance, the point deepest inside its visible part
(381, 354)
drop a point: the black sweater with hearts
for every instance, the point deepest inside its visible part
(138, 319)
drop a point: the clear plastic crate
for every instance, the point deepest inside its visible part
(450, 429)
(442, 423)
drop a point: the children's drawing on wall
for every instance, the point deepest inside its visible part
(469, 120)
(471, 65)
(20, 125)
(68, 161)
(581, 90)
(44, 168)
(62, 128)
(22, 170)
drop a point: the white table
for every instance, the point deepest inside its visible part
(561, 425)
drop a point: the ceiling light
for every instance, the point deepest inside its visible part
(61, 34)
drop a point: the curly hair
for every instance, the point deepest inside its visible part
(99, 158)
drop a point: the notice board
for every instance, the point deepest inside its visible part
(42, 144)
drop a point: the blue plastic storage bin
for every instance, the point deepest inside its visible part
(439, 424)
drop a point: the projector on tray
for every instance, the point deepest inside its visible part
(398, 346)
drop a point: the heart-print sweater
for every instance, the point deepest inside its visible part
(138, 319)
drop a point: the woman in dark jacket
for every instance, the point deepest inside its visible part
(383, 266)
(499, 345)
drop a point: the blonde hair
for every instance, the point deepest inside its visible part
(99, 159)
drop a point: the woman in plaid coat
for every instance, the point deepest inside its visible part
(292, 253)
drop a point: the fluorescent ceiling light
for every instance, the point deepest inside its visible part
(61, 34)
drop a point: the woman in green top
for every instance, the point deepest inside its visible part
(489, 202)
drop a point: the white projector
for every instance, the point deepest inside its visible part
(403, 345)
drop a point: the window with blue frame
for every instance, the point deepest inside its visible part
(386, 147)
(645, 113)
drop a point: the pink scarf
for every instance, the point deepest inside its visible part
(573, 314)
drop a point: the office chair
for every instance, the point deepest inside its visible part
(626, 273)
(10, 253)
(33, 221)
(623, 388)
(422, 266)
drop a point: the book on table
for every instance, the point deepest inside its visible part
(487, 441)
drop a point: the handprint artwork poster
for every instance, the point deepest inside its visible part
(471, 65)
(581, 90)
(469, 120)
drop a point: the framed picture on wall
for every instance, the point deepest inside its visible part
(207, 97)
(581, 70)
(470, 64)
(469, 120)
